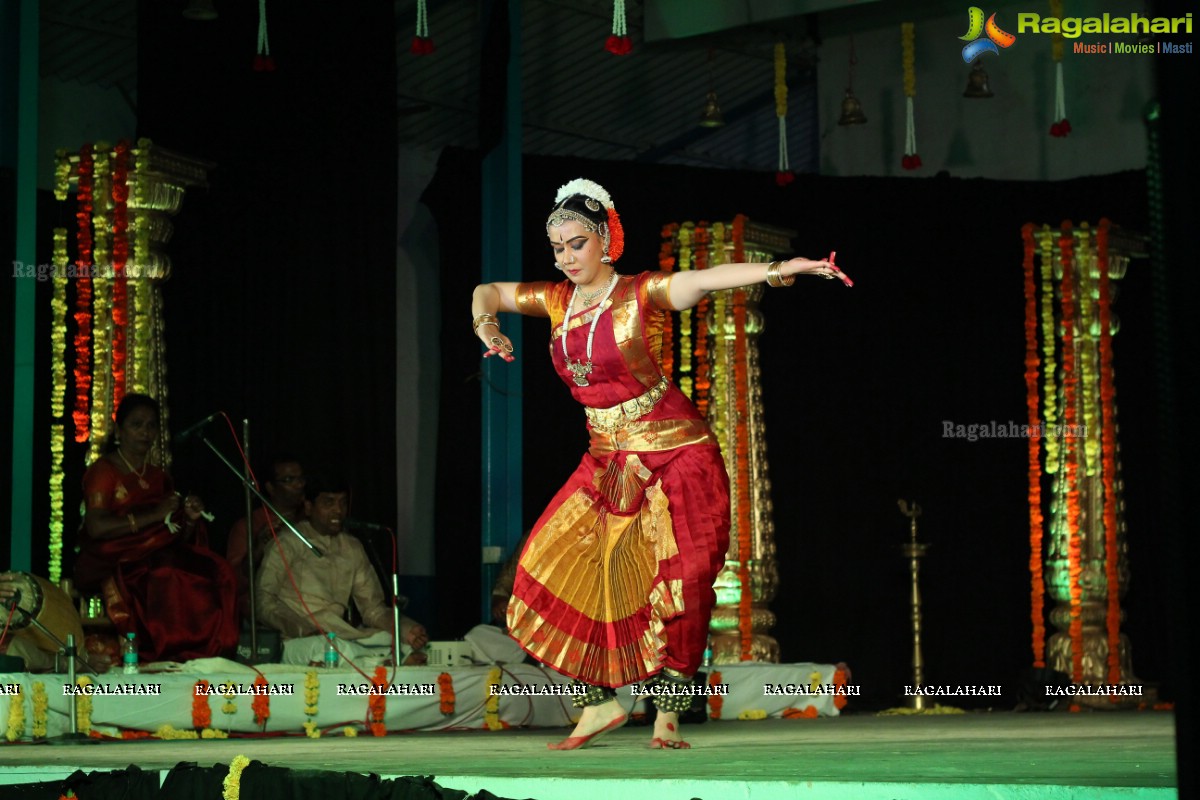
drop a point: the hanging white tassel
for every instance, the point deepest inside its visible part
(262, 60)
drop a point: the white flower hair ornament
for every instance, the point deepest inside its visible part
(586, 188)
(612, 233)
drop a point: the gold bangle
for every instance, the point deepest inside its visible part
(132, 522)
(776, 279)
(484, 319)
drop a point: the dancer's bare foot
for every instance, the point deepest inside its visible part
(593, 722)
(667, 735)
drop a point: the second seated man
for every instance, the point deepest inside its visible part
(324, 586)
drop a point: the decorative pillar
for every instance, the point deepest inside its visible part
(1086, 557)
(722, 374)
(125, 198)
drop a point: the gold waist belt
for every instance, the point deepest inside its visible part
(611, 420)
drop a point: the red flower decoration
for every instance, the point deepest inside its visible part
(422, 45)
(264, 63)
(911, 162)
(783, 178)
(1060, 128)
(619, 45)
(616, 235)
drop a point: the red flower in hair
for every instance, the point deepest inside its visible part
(616, 235)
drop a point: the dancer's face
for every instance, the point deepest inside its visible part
(578, 252)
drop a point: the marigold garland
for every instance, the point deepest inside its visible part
(1037, 588)
(83, 706)
(201, 712)
(349, 732)
(808, 712)
(16, 716)
(377, 702)
(58, 400)
(169, 733)
(1070, 386)
(783, 172)
(910, 159)
(688, 259)
(1049, 343)
(261, 704)
(740, 373)
(491, 708)
(231, 786)
(1108, 449)
(312, 696)
(715, 701)
(1088, 366)
(120, 257)
(446, 696)
(666, 263)
(101, 414)
(62, 175)
(83, 296)
(839, 681)
(41, 704)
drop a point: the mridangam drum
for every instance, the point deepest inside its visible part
(41, 600)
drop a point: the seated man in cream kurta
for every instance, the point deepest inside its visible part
(328, 583)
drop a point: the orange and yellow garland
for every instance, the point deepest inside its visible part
(1049, 339)
(715, 701)
(1037, 587)
(377, 702)
(201, 712)
(741, 369)
(446, 696)
(261, 704)
(83, 297)
(1108, 447)
(1070, 386)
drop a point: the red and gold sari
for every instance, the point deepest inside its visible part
(177, 596)
(615, 582)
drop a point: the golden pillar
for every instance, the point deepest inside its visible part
(739, 424)
(1075, 460)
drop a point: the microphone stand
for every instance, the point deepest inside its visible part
(250, 487)
(247, 480)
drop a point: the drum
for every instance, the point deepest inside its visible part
(41, 600)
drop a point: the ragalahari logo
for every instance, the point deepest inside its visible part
(996, 38)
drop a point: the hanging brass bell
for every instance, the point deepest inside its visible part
(852, 113)
(711, 117)
(977, 83)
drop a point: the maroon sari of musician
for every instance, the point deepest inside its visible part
(171, 590)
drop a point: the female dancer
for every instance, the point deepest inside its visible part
(615, 583)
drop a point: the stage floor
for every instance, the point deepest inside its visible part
(974, 755)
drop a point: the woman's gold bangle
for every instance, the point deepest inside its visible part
(776, 279)
(484, 319)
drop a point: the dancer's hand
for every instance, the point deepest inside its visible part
(825, 268)
(496, 342)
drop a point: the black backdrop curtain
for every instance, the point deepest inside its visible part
(281, 305)
(857, 384)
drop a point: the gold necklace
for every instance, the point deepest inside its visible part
(588, 297)
(140, 475)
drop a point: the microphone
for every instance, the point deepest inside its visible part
(359, 524)
(189, 432)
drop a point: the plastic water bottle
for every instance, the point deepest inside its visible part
(332, 659)
(129, 654)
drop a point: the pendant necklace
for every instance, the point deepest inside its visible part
(579, 369)
(141, 480)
